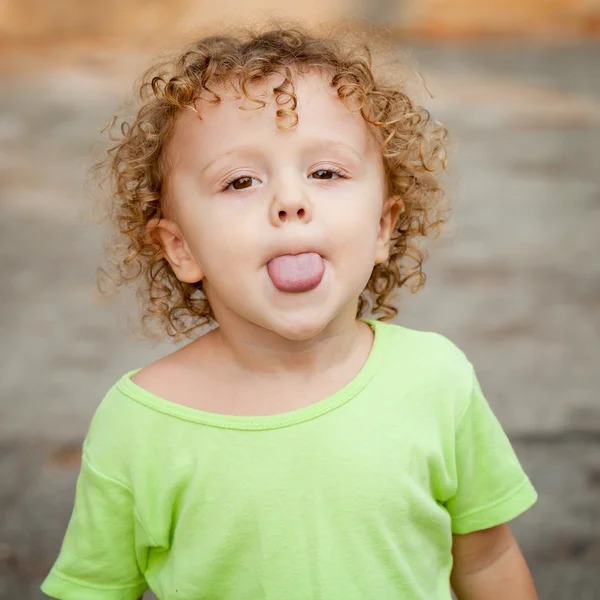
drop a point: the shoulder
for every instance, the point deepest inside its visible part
(160, 377)
(429, 365)
(126, 424)
(170, 376)
(426, 350)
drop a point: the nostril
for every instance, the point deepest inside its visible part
(282, 215)
(301, 213)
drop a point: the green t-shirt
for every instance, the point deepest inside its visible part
(355, 496)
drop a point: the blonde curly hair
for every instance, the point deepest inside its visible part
(412, 147)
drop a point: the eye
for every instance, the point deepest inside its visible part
(323, 174)
(240, 183)
(328, 174)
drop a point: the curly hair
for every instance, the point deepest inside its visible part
(412, 147)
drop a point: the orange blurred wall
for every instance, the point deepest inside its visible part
(472, 17)
(21, 19)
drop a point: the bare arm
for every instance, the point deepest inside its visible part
(488, 565)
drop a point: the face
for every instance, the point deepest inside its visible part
(283, 226)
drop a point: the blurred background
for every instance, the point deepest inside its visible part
(514, 281)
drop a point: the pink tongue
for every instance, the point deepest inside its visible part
(296, 273)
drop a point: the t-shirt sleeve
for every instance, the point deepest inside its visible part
(492, 487)
(98, 559)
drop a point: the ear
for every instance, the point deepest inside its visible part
(389, 217)
(168, 238)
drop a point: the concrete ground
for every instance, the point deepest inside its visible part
(515, 282)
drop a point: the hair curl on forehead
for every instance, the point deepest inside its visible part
(412, 148)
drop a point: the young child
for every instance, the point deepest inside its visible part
(273, 186)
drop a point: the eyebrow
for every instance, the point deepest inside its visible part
(318, 143)
(312, 144)
(228, 152)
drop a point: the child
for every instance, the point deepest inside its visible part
(273, 185)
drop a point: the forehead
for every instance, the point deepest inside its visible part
(238, 121)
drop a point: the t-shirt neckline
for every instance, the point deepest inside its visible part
(264, 422)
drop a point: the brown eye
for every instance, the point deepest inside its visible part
(242, 183)
(323, 174)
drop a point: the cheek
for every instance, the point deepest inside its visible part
(354, 252)
(358, 227)
(222, 242)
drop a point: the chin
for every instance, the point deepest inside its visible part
(298, 327)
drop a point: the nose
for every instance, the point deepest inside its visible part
(290, 204)
(300, 214)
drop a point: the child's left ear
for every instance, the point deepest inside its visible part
(389, 217)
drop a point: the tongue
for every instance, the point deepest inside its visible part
(296, 273)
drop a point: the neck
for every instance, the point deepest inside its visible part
(260, 351)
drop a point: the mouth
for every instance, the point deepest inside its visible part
(296, 273)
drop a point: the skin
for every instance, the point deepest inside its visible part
(489, 565)
(240, 191)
